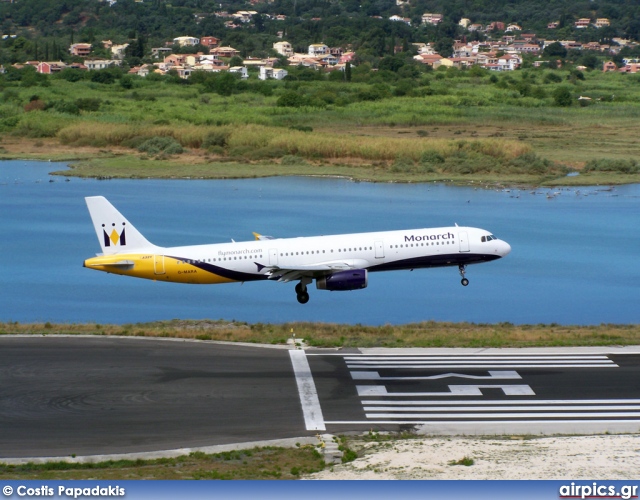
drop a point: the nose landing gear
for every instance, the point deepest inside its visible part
(464, 280)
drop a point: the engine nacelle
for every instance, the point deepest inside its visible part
(354, 279)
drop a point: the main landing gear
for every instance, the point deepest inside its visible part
(464, 280)
(301, 291)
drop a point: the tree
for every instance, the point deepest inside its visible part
(347, 71)
(556, 49)
(562, 96)
(444, 46)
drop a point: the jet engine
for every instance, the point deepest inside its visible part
(354, 279)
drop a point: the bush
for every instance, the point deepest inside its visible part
(67, 107)
(157, 145)
(88, 103)
(215, 139)
(291, 99)
(292, 160)
(562, 96)
(35, 105)
(611, 165)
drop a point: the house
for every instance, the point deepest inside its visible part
(143, 70)
(583, 22)
(175, 60)
(96, 64)
(347, 57)
(509, 62)
(80, 49)
(496, 26)
(318, 49)
(158, 52)
(118, 51)
(595, 46)
(405, 20)
(528, 48)
(225, 51)
(553, 25)
(275, 73)
(186, 41)
(429, 59)
(209, 41)
(256, 62)
(242, 70)
(463, 62)
(602, 22)
(244, 16)
(464, 22)
(430, 18)
(443, 61)
(475, 27)
(283, 48)
(513, 27)
(630, 68)
(49, 68)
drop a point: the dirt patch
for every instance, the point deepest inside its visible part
(583, 457)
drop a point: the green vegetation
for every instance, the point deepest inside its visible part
(256, 463)
(426, 334)
(466, 461)
(451, 125)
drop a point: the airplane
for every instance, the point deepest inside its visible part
(336, 263)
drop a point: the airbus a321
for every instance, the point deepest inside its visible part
(336, 263)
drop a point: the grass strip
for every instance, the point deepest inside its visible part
(425, 334)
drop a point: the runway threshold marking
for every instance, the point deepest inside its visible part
(419, 407)
(311, 410)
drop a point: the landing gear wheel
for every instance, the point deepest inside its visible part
(464, 280)
(303, 297)
(300, 288)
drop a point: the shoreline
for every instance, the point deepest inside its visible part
(123, 163)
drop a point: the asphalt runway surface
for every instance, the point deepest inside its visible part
(65, 396)
(83, 396)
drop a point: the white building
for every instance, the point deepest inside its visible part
(118, 51)
(186, 41)
(318, 49)
(283, 48)
(275, 73)
(244, 73)
(94, 64)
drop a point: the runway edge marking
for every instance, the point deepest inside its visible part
(307, 389)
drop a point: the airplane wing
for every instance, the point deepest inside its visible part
(286, 274)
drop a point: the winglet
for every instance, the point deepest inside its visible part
(262, 237)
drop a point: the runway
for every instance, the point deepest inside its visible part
(73, 396)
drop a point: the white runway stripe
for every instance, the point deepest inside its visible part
(506, 402)
(506, 415)
(464, 358)
(450, 366)
(307, 390)
(502, 408)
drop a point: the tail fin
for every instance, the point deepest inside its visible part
(115, 233)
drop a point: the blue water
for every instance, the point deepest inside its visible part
(575, 257)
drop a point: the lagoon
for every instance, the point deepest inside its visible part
(574, 259)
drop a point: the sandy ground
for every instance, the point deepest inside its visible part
(577, 457)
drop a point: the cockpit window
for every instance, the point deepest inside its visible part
(488, 238)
